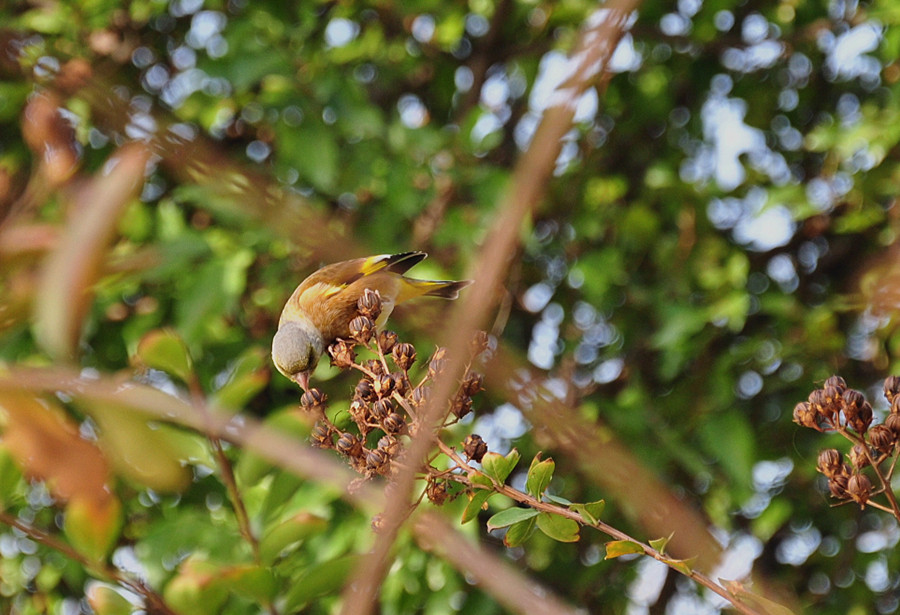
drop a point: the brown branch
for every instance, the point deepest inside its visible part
(511, 588)
(154, 601)
(529, 182)
(609, 530)
(198, 399)
(272, 445)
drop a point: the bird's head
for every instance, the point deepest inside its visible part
(296, 349)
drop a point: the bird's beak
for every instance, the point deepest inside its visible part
(302, 379)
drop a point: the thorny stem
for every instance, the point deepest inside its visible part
(154, 601)
(528, 500)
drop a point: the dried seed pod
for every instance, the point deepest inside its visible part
(420, 395)
(369, 304)
(382, 408)
(892, 422)
(830, 400)
(891, 388)
(389, 444)
(830, 462)
(858, 457)
(321, 435)
(859, 487)
(342, 354)
(473, 383)
(383, 385)
(852, 399)
(393, 423)
(882, 439)
(806, 416)
(404, 355)
(364, 390)
(374, 366)
(437, 362)
(359, 412)
(836, 382)
(474, 447)
(480, 342)
(461, 405)
(895, 405)
(436, 491)
(377, 461)
(362, 328)
(349, 444)
(837, 485)
(313, 400)
(387, 340)
(401, 383)
(857, 411)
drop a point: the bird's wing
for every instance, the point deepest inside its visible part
(332, 279)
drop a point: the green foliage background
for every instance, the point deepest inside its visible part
(329, 130)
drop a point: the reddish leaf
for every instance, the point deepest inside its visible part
(48, 447)
(72, 268)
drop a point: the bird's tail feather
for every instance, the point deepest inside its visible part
(445, 289)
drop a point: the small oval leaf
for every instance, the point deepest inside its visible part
(477, 501)
(519, 532)
(92, 525)
(539, 475)
(163, 349)
(507, 517)
(617, 548)
(558, 528)
(660, 543)
(499, 467)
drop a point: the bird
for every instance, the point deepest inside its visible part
(321, 307)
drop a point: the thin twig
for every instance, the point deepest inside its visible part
(100, 569)
(532, 502)
(198, 398)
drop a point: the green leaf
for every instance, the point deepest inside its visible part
(252, 582)
(617, 548)
(319, 579)
(287, 534)
(163, 349)
(105, 600)
(684, 566)
(499, 467)
(729, 437)
(591, 511)
(557, 500)
(10, 478)
(558, 527)
(539, 475)
(660, 543)
(507, 517)
(194, 589)
(93, 526)
(519, 532)
(149, 454)
(476, 504)
(247, 376)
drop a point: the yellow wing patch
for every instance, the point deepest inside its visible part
(374, 263)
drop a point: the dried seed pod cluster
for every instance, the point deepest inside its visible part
(836, 408)
(386, 403)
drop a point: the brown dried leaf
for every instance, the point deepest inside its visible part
(48, 447)
(72, 268)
